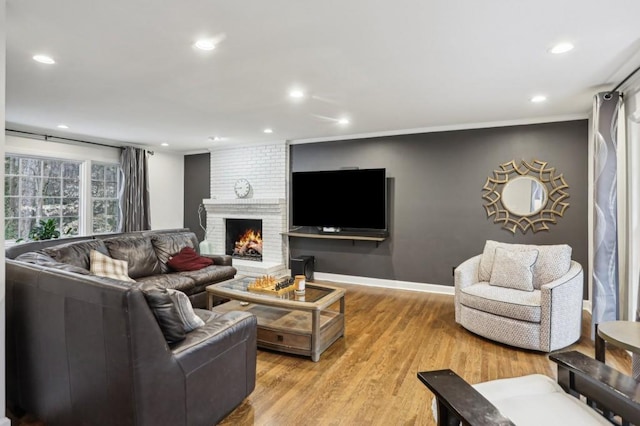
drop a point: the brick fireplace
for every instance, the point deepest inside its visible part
(266, 169)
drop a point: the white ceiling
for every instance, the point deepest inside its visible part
(126, 70)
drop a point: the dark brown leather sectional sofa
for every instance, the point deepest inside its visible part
(83, 349)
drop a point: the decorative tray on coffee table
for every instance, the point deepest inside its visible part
(272, 285)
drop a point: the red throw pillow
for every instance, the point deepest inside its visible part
(188, 260)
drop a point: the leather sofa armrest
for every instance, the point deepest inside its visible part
(219, 259)
(215, 337)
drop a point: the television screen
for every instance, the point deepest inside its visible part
(352, 199)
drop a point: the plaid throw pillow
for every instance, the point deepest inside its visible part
(104, 266)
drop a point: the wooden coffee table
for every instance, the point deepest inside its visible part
(287, 323)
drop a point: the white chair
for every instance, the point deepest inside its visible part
(529, 296)
(610, 396)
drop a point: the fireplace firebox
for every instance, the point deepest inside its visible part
(244, 238)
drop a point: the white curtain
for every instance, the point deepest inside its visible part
(605, 303)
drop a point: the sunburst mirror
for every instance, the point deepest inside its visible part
(525, 196)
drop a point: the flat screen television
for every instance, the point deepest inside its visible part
(340, 199)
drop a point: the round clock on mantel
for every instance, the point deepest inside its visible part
(242, 188)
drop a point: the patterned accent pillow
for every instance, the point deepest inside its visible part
(513, 269)
(104, 266)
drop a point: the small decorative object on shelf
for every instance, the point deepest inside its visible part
(272, 285)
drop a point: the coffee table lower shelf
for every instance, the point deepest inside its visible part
(291, 331)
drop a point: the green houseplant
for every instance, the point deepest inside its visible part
(45, 230)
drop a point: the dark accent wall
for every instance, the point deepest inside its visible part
(437, 219)
(197, 186)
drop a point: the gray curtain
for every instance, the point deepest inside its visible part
(605, 232)
(134, 194)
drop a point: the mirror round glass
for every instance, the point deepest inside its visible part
(524, 196)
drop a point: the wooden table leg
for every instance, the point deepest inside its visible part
(342, 312)
(600, 347)
(315, 336)
(209, 301)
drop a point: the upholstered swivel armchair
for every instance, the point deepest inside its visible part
(529, 296)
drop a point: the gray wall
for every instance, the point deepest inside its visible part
(197, 184)
(437, 219)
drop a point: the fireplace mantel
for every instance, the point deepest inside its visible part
(241, 201)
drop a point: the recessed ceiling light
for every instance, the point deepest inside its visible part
(561, 48)
(296, 94)
(164, 144)
(44, 59)
(205, 44)
(62, 126)
(343, 121)
(214, 138)
(268, 130)
(538, 98)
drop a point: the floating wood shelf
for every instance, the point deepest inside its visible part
(337, 236)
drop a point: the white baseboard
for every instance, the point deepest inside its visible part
(379, 282)
(5, 421)
(401, 285)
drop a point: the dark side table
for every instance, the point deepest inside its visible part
(623, 334)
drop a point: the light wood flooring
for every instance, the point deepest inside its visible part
(369, 376)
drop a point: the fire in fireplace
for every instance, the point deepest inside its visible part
(244, 238)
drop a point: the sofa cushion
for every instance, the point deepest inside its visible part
(210, 274)
(46, 260)
(504, 302)
(513, 269)
(174, 280)
(75, 253)
(188, 260)
(104, 266)
(167, 245)
(138, 252)
(553, 261)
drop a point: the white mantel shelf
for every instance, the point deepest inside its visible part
(236, 201)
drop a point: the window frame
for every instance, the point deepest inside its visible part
(89, 204)
(35, 148)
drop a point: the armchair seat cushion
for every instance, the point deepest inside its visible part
(521, 398)
(504, 302)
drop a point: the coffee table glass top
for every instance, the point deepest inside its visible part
(313, 292)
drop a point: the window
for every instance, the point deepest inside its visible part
(52, 188)
(105, 179)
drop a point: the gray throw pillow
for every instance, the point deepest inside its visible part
(166, 313)
(173, 311)
(190, 321)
